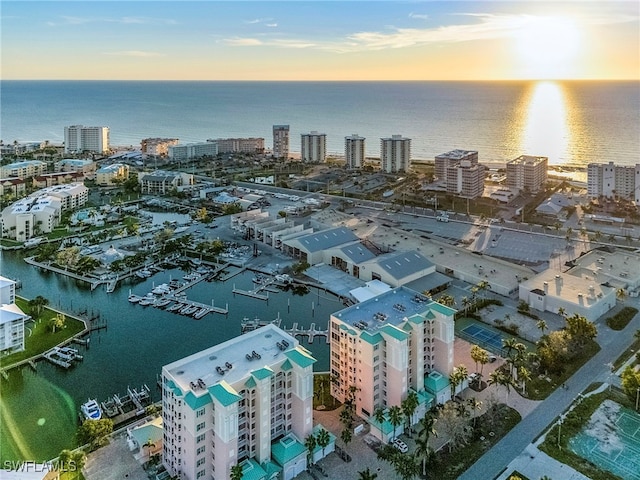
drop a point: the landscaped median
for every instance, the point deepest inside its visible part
(39, 334)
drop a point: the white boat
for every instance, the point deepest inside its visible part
(161, 289)
(144, 273)
(284, 278)
(134, 298)
(200, 313)
(91, 410)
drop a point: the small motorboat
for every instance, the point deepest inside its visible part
(91, 410)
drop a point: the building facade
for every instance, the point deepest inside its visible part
(453, 158)
(11, 318)
(191, 151)
(161, 182)
(281, 141)
(527, 173)
(41, 212)
(157, 146)
(111, 174)
(240, 145)
(244, 400)
(313, 147)
(85, 166)
(614, 181)
(387, 346)
(78, 139)
(13, 187)
(395, 154)
(465, 179)
(354, 151)
(23, 169)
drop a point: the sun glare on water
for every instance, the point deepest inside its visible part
(547, 47)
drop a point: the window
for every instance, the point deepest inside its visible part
(199, 427)
(200, 450)
(200, 412)
(200, 462)
(376, 346)
(200, 438)
(200, 474)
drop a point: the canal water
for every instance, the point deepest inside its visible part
(39, 410)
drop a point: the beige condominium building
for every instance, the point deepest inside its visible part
(389, 345)
(614, 181)
(395, 154)
(354, 151)
(527, 173)
(246, 401)
(313, 147)
(78, 138)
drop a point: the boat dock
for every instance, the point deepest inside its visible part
(121, 409)
(233, 274)
(62, 356)
(249, 325)
(310, 332)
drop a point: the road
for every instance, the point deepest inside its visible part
(612, 344)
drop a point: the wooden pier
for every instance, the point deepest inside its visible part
(250, 293)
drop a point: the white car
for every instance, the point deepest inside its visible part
(400, 445)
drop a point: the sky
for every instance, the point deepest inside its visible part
(316, 41)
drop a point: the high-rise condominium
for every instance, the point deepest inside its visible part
(313, 147)
(395, 154)
(78, 139)
(281, 141)
(354, 151)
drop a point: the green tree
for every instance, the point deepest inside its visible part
(36, 305)
(424, 453)
(323, 439)
(630, 380)
(57, 323)
(446, 300)
(454, 425)
(236, 472)
(395, 418)
(367, 475)
(310, 443)
(409, 406)
(580, 330)
(457, 377)
(94, 432)
(346, 436)
(480, 356)
(542, 326)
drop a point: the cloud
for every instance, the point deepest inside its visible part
(258, 20)
(480, 26)
(71, 20)
(420, 16)
(134, 53)
(271, 25)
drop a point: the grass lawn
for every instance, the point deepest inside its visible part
(539, 388)
(622, 318)
(322, 392)
(451, 465)
(572, 425)
(38, 337)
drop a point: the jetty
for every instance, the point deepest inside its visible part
(121, 409)
(248, 325)
(62, 356)
(310, 332)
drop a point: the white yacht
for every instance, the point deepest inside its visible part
(91, 410)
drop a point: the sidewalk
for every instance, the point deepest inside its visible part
(534, 463)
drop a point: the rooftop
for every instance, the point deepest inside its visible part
(401, 265)
(390, 308)
(527, 160)
(457, 154)
(618, 268)
(571, 288)
(357, 252)
(325, 239)
(264, 340)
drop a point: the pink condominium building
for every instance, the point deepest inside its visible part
(246, 401)
(391, 344)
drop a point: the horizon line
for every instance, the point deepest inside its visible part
(320, 80)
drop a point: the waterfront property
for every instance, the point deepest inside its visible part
(389, 345)
(11, 318)
(41, 211)
(247, 400)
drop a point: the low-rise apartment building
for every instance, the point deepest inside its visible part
(11, 318)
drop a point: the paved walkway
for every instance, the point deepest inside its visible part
(535, 464)
(598, 369)
(113, 462)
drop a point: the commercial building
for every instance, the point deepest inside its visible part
(313, 147)
(387, 346)
(160, 182)
(240, 145)
(110, 174)
(41, 211)
(281, 141)
(527, 173)
(78, 139)
(85, 166)
(395, 154)
(23, 169)
(191, 151)
(157, 146)
(354, 151)
(453, 158)
(246, 401)
(311, 247)
(614, 181)
(11, 318)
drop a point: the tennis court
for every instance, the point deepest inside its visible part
(484, 337)
(617, 448)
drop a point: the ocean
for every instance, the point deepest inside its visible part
(571, 122)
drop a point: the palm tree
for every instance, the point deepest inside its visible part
(509, 344)
(474, 405)
(466, 303)
(395, 417)
(323, 439)
(562, 312)
(409, 406)
(542, 325)
(236, 472)
(621, 294)
(310, 442)
(367, 475)
(423, 452)
(149, 444)
(378, 413)
(346, 435)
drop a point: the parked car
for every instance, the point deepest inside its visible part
(400, 445)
